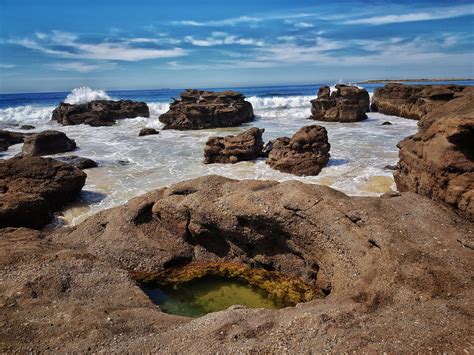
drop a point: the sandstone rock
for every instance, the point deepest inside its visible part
(247, 145)
(78, 162)
(346, 104)
(198, 109)
(412, 101)
(438, 161)
(99, 112)
(147, 132)
(47, 142)
(31, 188)
(306, 153)
(394, 281)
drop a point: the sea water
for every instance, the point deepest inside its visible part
(130, 165)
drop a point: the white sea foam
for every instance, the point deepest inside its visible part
(279, 102)
(85, 94)
(26, 114)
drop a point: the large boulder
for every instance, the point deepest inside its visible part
(198, 109)
(346, 104)
(48, 142)
(438, 161)
(247, 145)
(412, 101)
(396, 272)
(99, 112)
(31, 188)
(306, 153)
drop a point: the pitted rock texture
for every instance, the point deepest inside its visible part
(346, 104)
(198, 109)
(412, 101)
(438, 161)
(306, 153)
(31, 188)
(247, 145)
(395, 270)
(47, 142)
(99, 112)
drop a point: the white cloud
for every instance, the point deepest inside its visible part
(222, 38)
(82, 67)
(225, 22)
(67, 45)
(303, 25)
(7, 66)
(435, 14)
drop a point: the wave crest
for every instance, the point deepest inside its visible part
(84, 94)
(280, 102)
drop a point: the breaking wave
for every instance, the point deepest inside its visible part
(85, 94)
(280, 102)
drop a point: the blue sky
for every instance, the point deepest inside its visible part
(52, 45)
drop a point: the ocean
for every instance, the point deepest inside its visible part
(130, 165)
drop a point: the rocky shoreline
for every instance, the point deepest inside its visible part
(370, 274)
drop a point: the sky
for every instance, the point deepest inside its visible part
(52, 45)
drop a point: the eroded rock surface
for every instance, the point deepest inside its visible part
(438, 161)
(99, 112)
(247, 145)
(306, 153)
(198, 109)
(346, 104)
(395, 270)
(47, 142)
(31, 188)
(412, 101)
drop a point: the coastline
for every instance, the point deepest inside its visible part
(424, 80)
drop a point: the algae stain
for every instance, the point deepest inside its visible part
(208, 294)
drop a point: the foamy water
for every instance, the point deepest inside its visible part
(130, 165)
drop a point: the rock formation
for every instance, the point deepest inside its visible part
(346, 104)
(247, 145)
(99, 112)
(438, 161)
(31, 188)
(393, 283)
(412, 101)
(8, 138)
(47, 142)
(306, 153)
(78, 162)
(147, 132)
(198, 109)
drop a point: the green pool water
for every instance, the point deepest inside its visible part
(208, 294)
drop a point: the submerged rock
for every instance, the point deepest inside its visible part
(31, 188)
(199, 109)
(306, 153)
(47, 142)
(78, 162)
(99, 112)
(412, 101)
(438, 161)
(247, 145)
(147, 132)
(346, 104)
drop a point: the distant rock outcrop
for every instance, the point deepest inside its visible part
(306, 153)
(198, 109)
(47, 142)
(346, 104)
(438, 161)
(31, 188)
(247, 145)
(99, 112)
(412, 101)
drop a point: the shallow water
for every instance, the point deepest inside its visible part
(208, 294)
(130, 165)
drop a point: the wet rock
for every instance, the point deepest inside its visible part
(99, 112)
(390, 167)
(147, 132)
(412, 101)
(34, 187)
(11, 138)
(198, 109)
(386, 123)
(78, 162)
(306, 153)
(346, 104)
(3, 145)
(438, 161)
(47, 142)
(27, 127)
(247, 145)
